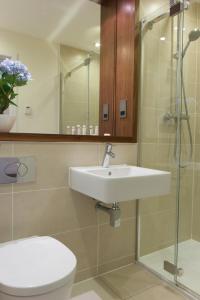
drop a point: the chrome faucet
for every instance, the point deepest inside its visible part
(107, 155)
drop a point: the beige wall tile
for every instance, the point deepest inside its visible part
(186, 199)
(191, 92)
(53, 161)
(85, 274)
(116, 243)
(157, 231)
(6, 150)
(84, 245)
(128, 210)
(198, 96)
(196, 207)
(124, 154)
(166, 130)
(150, 91)
(39, 212)
(165, 157)
(47, 212)
(149, 130)
(157, 204)
(5, 217)
(197, 133)
(151, 41)
(148, 154)
(115, 264)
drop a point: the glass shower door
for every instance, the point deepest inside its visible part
(158, 220)
(169, 226)
(189, 198)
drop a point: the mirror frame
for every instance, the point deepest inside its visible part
(35, 137)
(39, 137)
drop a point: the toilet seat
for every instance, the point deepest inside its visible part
(34, 266)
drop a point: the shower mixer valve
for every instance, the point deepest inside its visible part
(173, 116)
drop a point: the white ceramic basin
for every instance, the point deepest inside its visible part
(119, 183)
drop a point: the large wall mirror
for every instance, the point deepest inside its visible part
(60, 43)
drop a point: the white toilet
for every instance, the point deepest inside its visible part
(37, 268)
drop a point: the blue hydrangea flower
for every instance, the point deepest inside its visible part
(12, 67)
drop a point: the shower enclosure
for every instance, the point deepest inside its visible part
(169, 139)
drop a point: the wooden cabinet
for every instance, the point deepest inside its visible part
(118, 88)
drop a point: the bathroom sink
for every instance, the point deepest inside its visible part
(119, 183)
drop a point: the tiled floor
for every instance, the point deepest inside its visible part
(189, 261)
(87, 296)
(132, 282)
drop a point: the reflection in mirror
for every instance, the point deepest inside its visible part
(59, 42)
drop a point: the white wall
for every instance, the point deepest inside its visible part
(43, 92)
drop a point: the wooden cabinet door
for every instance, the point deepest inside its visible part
(118, 86)
(126, 121)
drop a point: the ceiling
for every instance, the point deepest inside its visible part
(71, 22)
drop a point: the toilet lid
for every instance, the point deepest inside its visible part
(34, 266)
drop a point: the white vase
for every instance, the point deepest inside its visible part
(6, 122)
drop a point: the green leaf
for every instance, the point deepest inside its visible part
(7, 87)
(13, 103)
(13, 96)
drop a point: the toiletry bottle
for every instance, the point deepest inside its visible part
(73, 130)
(84, 130)
(78, 129)
(91, 130)
(68, 130)
(96, 130)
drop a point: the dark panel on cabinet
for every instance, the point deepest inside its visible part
(108, 66)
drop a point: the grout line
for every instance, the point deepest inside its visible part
(160, 212)
(6, 193)
(86, 269)
(90, 227)
(114, 260)
(74, 230)
(39, 190)
(117, 259)
(122, 221)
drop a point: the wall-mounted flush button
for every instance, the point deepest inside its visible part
(17, 170)
(26, 170)
(123, 109)
(8, 170)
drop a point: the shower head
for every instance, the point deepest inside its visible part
(194, 35)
